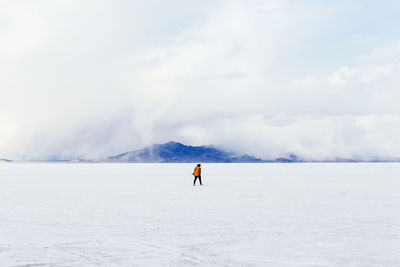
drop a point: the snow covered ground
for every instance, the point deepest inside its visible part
(244, 215)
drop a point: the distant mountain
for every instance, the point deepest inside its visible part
(290, 158)
(177, 152)
(5, 161)
(174, 152)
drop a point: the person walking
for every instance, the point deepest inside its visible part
(197, 174)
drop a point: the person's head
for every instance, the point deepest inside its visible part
(198, 165)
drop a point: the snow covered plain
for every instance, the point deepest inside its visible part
(244, 215)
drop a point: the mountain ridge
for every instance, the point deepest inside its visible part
(174, 152)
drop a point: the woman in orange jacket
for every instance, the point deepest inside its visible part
(197, 174)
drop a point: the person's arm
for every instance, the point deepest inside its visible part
(199, 171)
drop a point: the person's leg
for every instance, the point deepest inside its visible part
(194, 181)
(200, 180)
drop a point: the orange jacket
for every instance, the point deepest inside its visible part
(197, 171)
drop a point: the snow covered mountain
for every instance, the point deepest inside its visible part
(177, 152)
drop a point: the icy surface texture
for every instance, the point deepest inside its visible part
(244, 215)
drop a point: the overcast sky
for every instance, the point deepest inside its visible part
(93, 78)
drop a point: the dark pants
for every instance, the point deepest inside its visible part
(195, 178)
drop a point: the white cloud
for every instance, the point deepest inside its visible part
(95, 78)
(21, 30)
